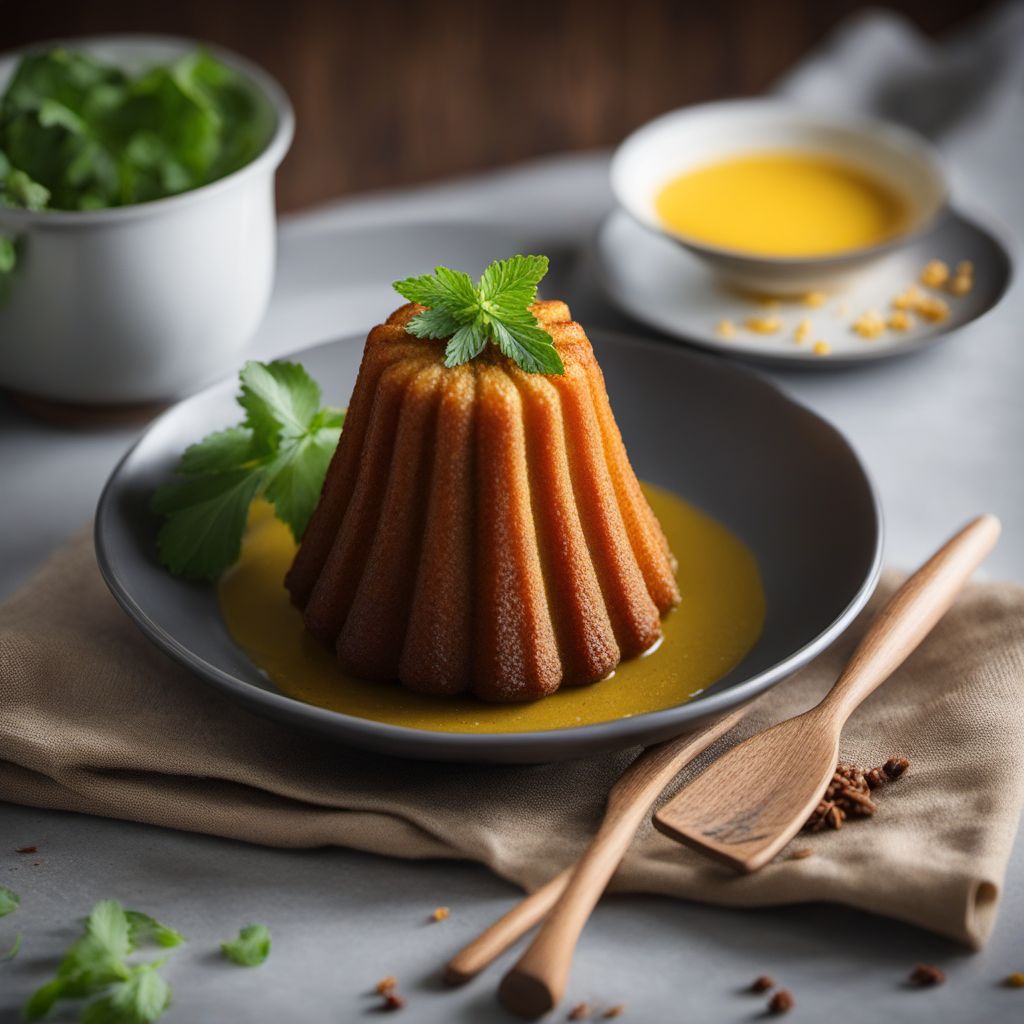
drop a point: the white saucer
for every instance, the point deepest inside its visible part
(654, 280)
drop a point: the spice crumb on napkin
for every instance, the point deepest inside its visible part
(95, 719)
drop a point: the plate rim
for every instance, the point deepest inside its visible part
(798, 358)
(565, 742)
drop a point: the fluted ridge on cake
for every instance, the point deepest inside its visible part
(481, 528)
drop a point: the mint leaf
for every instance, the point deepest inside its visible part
(206, 516)
(251, 947)
(108, 925)
(143, 928)
(9, 901)
(216, 453)
(444, 288)
(295, 476)
(508, 286)
(278, 398)
(280, 451)
(497, 309)
(140, 999)
(433, 323)
(465, 343)
(43, 1000)
(527, 346)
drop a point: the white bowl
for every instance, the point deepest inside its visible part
(686, 139)
(145, 302)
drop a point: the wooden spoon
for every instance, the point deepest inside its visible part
(537, 981)
(747, 805)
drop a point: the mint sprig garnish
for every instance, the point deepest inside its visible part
(96, 965)
(280, 451)
(496, 309)
(250, 948)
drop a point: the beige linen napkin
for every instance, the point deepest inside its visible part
(94, 719)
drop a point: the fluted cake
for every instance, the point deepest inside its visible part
(480, 528)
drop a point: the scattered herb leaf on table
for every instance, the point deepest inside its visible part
(250, 948)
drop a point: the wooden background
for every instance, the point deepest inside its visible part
(390, 93)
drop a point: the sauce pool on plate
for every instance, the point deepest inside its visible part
(718, 621)
(782, 203)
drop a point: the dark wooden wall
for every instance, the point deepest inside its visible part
(388, 93)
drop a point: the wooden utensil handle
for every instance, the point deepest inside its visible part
(628, 802)
(537, 982)
(488, 945)
(911, 613)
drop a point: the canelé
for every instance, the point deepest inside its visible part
(480, 528)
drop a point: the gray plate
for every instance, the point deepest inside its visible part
(658, 282)
(772, 471)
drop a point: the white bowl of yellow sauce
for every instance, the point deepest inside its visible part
(778, 198)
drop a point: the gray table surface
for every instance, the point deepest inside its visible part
(941, 433)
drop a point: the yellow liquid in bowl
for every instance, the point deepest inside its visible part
(717, 623)
(783, 204)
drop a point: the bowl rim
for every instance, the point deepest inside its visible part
(438, 744)
(855, 121)
(270, 156)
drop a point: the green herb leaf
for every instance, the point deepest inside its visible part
(108, 925)
(251, 947)
(13, 951)
(9, 901)
(280, 452)
(528, 346)
(219, 452)
(140, 999)
(93, 962)
(508, 286)
(95, 965)
(142, 928)
(497, 309)
(206, 517)
(278, 398)
(43, 1000)
(295, 476)
(466, 343)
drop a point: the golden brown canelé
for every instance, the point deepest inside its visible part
(480, 528)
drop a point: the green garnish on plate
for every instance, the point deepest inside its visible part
(496, 309)
(281, 449)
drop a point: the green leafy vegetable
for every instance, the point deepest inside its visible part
(251, 947)
(95, 965)
(280, 452)
(496, 310)
(79, 134)
(142, 928)
(13, 951)
(140, 999)
(9, 901)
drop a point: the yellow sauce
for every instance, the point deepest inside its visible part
(718, 621)
(782, 203)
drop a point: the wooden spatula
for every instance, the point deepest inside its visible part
(750, 802)
(537, 981)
